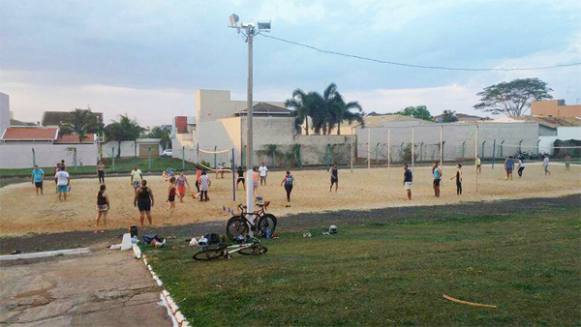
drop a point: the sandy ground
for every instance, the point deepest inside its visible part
(23, 212)
(103, 288)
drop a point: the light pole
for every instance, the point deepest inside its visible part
(249, 30)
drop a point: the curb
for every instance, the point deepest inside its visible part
(44, 254)
(173, 310)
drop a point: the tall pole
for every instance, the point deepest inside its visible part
(413, 147)
(249, 139)
(368, 148)
(388, 148)
(441, 145)
(233, 166)
(493, 153)
(476, 153)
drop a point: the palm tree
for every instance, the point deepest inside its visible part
(339, 111)
(301, 112)
(81, 122)
(125, 129)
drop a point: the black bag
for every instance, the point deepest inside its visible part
(213, 238)
(133, 231)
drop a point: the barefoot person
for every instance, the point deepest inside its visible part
(407, 181)
(204, 186)
(63, 182)
(437, 174)
(101, 172)
(546, 165)
(458, 178)
(37, 177)
(240, 178)
(263, 171)
(181, 182)
(136, 177)
(509, 167)
(103, 205)
(334, 174)
(288, 182)
(171, 196)
(144, 201)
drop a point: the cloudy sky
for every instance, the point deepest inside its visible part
(146, 58)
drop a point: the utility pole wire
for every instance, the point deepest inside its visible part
(394, 63)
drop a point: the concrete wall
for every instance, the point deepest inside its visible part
(459, 141)
(128, 149)
(19, 155)
(546, 143)
(555, 108)
(4, 112)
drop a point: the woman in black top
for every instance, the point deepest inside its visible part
(458, 180)
(102, 205)
(240, 178)
(334, 177)
(144, 201)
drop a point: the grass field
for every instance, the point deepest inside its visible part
(158, 164)
(379, 274)
(23, 212)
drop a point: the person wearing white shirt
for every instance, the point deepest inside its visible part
(263, 171)
(63, 182)
(546, 165)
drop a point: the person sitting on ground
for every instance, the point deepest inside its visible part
(263, 170)
(103, 205)
(37, 178)
(136, 177)
(144, 201)
(407, 181)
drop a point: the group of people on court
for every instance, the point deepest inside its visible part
(62, 180)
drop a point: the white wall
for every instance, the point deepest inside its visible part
(19, 155)
(128, 149)
(4, 112)
(546, 143)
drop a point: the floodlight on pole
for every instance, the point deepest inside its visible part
(249, 30)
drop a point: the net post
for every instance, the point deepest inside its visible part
(368, 148)
(413, 147)
(183, 157)
(233, 164)
(442, 144)
(388, 148)
(351, 152)
(215, 157)
(493, 152)
(33, 157)
(476, 153)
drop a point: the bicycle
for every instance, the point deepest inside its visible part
(251, 246)
(241, 225)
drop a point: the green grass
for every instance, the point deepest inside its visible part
(121, 166)
(395, 273)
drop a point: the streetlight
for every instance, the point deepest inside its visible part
(249, 30)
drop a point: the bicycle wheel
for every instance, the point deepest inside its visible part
(255, 249)
(266, 221)
(236, 226)
(209, 253)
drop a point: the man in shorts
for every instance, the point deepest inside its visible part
(37, 177)
(509, 167)
(263, 171)
(478, 165)
(63, 183)
(136, 177)
(407, 181)
(546, 165)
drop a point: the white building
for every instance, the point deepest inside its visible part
(4, 112)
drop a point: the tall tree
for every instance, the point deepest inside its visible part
(512, 98)
(420, 112)
(163, 133)
(449, 116)
(81, 122)
(340, 111)
(300, 109)
(126, 129)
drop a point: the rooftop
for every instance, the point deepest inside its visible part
(30, 134)
(266, 109)
(54, 118)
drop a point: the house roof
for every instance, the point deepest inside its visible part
(377, 119)
(554, 122)
(54, 118)
(30, 134)
(14, 122)
(75, 139)
(267, 109)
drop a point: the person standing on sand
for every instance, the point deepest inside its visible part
(263, 170)
(204, 186)
(240, 178)
(171, 196)
(407, 181)
(288, 182)
(509, 167)
(181, 182)
(101, 172)
(458, 178)
(478, 164)
(437, 174)
(546, 165)
(63, 182)
(136, 177)
(144, 201)
(334, 174)
(103, 205)
(37, 177)
(521, 166)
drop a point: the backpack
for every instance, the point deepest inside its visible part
(212, 238)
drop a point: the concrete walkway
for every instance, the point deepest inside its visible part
(103, 288)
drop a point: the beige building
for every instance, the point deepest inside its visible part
(555, 108)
